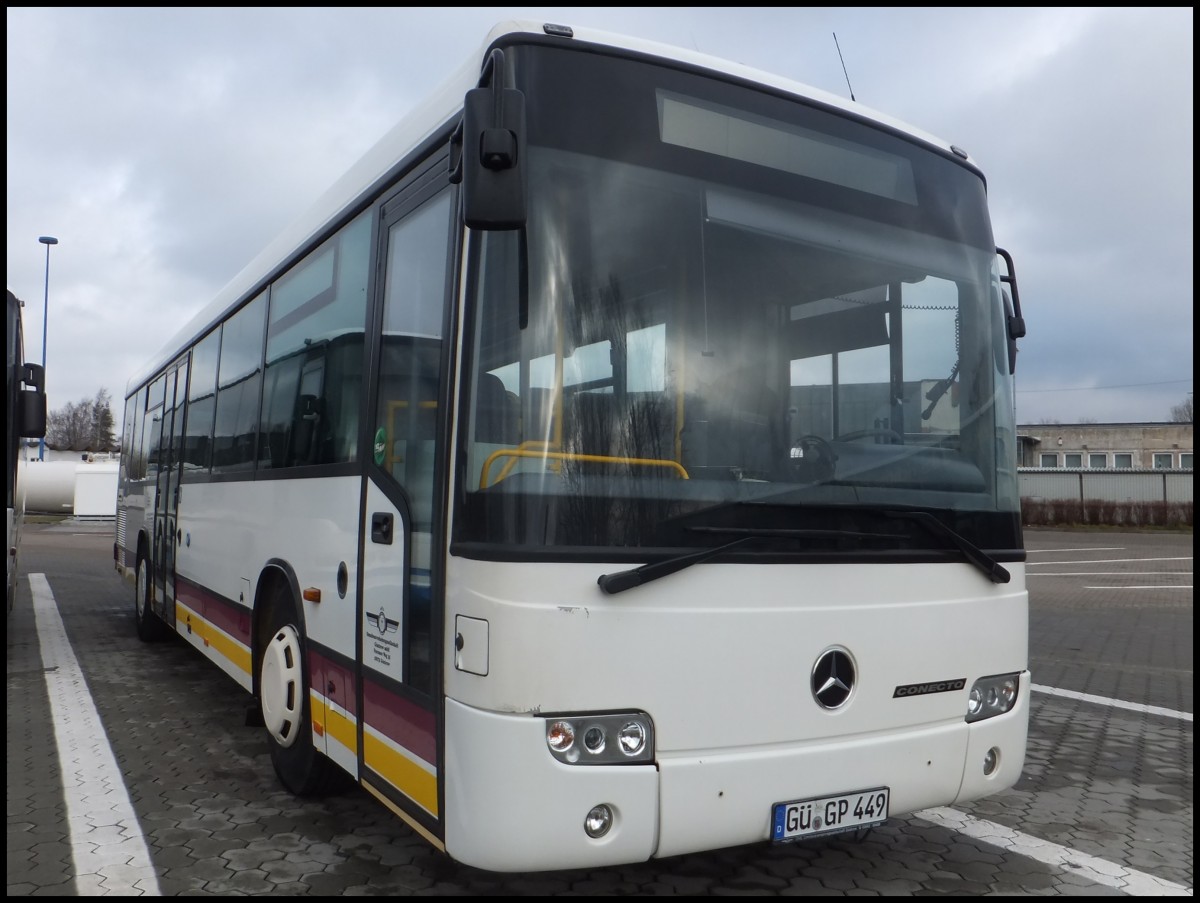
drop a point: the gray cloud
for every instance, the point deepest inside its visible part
(165, 147)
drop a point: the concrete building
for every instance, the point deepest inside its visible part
(1106, 446)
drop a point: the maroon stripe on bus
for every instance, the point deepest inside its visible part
(401, 721)
(333, 681)
(223, 614)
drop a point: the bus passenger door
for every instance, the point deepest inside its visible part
(403, 521)
(166, 505)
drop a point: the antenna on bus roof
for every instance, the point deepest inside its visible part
(844, 72)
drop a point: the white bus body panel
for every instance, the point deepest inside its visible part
(720, 656)
(231, 530)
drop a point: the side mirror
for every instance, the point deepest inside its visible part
(1014, 323)
(31, 402)
(487, 152)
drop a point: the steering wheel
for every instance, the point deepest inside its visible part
(813, 459)
(884, 433)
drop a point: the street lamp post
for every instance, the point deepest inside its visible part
(47, 240)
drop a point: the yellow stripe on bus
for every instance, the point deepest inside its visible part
(400, 771)
(234, 652)
(337, 726)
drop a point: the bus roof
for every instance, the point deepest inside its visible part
(435, 115)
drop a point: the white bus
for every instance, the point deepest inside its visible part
(617, 463)
(25, 413)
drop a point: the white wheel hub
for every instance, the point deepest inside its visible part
(281, 686)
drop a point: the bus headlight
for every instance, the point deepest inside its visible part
(601, 739)
(991, 696)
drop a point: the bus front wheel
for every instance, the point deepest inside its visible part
(284, 701)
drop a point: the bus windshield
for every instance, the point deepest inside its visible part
(728, 301)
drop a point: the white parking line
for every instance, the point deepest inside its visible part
(1154, 586)
(1113, 703)
(1114, 574)
(1084, 549)
(107, 846)
(1090, 868)
(1079, 561)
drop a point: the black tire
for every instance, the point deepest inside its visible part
(150, 627)
(283, 684)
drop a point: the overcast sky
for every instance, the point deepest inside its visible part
(164, 148)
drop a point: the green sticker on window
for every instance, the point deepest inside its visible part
(380, 445)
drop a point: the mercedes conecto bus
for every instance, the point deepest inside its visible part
(619, 462)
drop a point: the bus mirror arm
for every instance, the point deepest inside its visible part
(1013, 319)
(34, 376)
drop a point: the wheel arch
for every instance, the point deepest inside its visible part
(276, 574)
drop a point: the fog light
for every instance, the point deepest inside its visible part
(991, 761)
(598, 821)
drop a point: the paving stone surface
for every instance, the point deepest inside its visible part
(1106, 791)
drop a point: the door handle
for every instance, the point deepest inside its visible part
(381, 527)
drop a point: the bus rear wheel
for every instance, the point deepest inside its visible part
(149, 627)
(284, 701)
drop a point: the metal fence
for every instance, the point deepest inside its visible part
(1054, 484)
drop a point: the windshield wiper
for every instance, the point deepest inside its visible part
(622, 580)
(991, 568)
(619, 581)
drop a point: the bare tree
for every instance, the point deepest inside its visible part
(86, 425)
(1182, 412)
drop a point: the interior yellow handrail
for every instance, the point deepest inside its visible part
(571, 456)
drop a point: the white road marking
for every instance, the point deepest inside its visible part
(1114, 574)
(107, 847)
(1155, 586)
(1113, 703)
(1085, 549)
(1089, 868)
(1079, 561)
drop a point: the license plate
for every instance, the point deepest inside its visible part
(829, 814)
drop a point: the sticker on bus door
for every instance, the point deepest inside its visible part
(383, 587)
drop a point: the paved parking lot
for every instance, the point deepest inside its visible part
(131, 769)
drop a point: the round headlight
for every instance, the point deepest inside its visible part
(593, 739)
(560, 736)
(632, 738)
(974, 701)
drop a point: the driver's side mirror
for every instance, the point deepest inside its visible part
(488, 152)
(31, 402)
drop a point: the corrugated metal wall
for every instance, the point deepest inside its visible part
(1106, 485)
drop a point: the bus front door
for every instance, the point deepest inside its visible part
(166, 505)
(402, 523)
